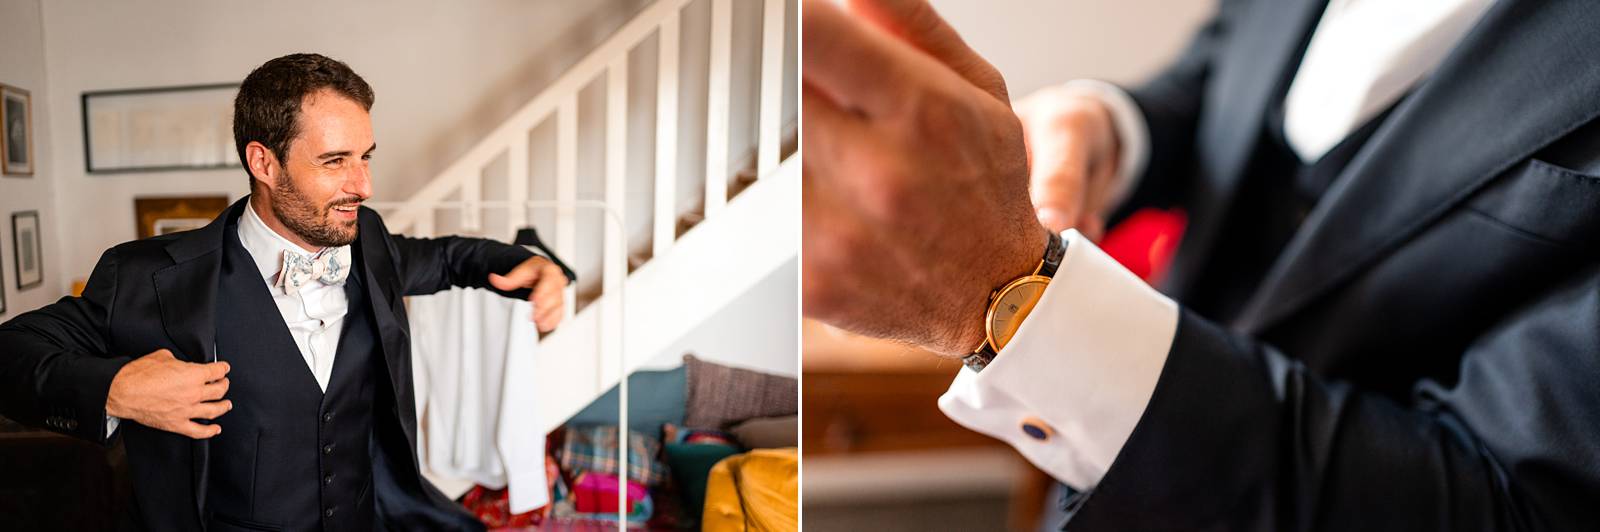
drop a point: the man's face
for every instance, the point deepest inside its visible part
(325, 175)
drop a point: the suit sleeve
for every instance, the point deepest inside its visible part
(1170, 103)
(429, 265)
(1239, 436)
(54, 368)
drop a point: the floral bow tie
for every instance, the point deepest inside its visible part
(331, 266)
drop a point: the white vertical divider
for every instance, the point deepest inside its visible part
(666, 192)
(567, 188)
(771, 88)
(615, 246)
(717, 105)
(516, 184)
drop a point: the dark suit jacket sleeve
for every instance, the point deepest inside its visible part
(1171, 103)
(54, 367)
(429, 265)
(1237, 436)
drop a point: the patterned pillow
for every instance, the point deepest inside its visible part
(593, 448)
(719, 396)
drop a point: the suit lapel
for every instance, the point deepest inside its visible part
(1521, 79)
(1252, 72)
(187, 294)
(384, 293)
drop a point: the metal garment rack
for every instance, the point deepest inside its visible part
(614, 220)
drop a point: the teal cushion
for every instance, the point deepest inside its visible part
(654, 398)
(691, 465)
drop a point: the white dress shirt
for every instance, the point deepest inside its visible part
(315, 314)
(1085, 361)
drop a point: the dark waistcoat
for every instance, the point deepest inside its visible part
(290, 455)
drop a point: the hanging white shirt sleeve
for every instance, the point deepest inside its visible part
(1082, 367)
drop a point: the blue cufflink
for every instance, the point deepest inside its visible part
(1036, 428)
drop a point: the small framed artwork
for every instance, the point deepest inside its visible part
(27, 249)
(159, 216)
(16, 114)
(159, 129)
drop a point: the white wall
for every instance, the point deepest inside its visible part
(1036, 43)
(445, 73)
(22, 65)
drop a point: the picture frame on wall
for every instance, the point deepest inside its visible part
(159, 129)
(27, 249)
(2, 289)
(160, 216)
(16, 117)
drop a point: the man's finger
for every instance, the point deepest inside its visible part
(919, 24)
(521, 276)
(547, 316)
(210, 409)
(213, 371)
(197, 430)
(1057, 185)
(215, 390)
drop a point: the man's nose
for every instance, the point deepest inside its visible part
(359, 183)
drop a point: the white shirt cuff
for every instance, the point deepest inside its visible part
(1079, 371)
(1133, 135)
(111, 425)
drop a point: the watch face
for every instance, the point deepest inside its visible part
(1012, 305)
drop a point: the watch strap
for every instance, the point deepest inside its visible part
(1054, 252)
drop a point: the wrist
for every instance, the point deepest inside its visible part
(1019, 257)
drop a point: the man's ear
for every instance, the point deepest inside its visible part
(263, 164)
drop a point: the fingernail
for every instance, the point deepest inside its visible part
(1053, 218)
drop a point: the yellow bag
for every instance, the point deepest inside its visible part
(754, 491)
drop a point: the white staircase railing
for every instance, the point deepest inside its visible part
(762, 227)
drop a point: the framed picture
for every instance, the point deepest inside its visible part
(27, 248)
(16, 149)
(159, 216)
(159, 129)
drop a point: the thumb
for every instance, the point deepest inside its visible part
(919, 24)
(504, 282)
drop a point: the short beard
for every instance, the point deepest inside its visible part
(308, 220)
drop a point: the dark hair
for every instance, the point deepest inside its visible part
(267, 109)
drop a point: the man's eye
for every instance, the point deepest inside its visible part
(366, 157)
(336, 161)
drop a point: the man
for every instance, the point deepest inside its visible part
(258, 369)
(1384, 315)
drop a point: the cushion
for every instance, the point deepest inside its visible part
(719, 396)
(691, 463)
(759, 490)
(768, 432)
(593, 449)
(654, 397)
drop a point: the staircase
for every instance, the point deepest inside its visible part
(692, 260)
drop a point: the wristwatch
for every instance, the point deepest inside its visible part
(1010, 304)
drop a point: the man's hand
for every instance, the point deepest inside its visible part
(162, 392)
(1073, 156)
(549, 285)
(915, 186)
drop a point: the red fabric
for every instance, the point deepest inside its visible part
(493, 506)
(1144, 242)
